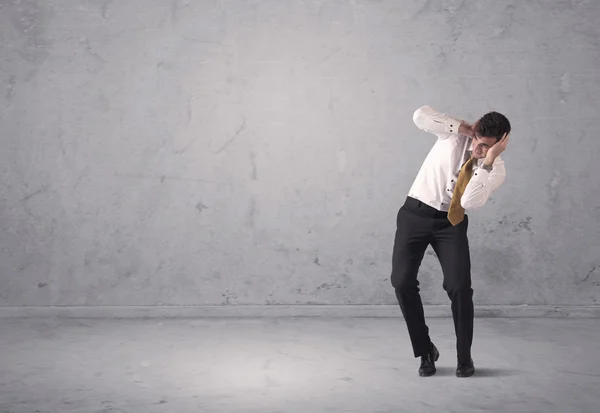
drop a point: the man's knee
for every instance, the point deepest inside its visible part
(403, 279)
(460, 290)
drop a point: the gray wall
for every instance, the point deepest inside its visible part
(257, 152)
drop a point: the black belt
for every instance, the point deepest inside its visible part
(424, 208)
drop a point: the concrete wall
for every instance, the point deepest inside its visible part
(256, 152)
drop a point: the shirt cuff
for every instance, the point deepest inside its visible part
(452, 125)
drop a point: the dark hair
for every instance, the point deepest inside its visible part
(492, 125)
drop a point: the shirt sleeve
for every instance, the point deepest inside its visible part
(440, 124)
(482, 184)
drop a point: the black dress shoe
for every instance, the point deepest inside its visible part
(465, 370)
(428, 362)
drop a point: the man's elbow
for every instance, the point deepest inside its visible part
(472, 204)
(418, 115)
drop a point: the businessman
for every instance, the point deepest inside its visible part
(460, 173)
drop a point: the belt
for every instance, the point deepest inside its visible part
(413, 203)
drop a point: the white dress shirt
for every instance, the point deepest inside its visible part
(435, 182)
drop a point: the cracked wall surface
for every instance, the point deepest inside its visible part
(257, 152)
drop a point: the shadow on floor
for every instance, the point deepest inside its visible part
(479, 372)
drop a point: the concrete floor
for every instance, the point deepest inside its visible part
(293, 365)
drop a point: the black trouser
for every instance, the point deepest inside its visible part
(419, 225)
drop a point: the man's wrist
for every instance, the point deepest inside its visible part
(465, 129)
(489, 161)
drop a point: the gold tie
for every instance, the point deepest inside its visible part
(456, 213)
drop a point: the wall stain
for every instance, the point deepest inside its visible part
(175, 9)
(61, 144)
(233, 138)
(87, 260)
(565, 87)
(535, 142)
(282, 248)
(251, 214)
(10, 88)
(596, 266)
(553, 185)
(201, 207)
(42, 284)
(326, 286)
(188, 146)
(341, 283)
(525, 224)
(30, 18)
(254, 174)
(508, 19)
(104, 8)
(38, 192)
(91, 52)
(227, 296)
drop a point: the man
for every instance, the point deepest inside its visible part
(460, 173)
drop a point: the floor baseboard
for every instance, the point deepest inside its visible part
(255, 311)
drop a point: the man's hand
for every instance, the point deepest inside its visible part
(497, 149)
(466, 130)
